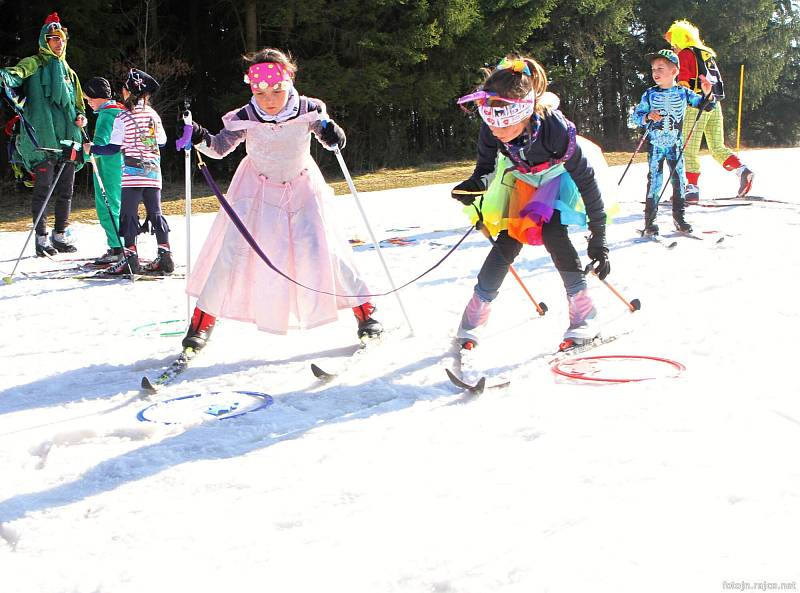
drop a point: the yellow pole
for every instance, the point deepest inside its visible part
(739, 124)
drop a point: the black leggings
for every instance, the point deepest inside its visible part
(506, 249)
(129, 215)
(62, 194)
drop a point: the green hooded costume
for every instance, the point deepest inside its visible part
(109, 167)
(53, 97)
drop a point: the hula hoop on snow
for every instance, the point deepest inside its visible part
(586, 367)
(159, 329)
(201, 407)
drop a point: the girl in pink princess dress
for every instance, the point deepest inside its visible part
(280, 196)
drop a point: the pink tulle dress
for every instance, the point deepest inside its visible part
(281, 197)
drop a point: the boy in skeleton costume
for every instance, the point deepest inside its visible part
(663, 109)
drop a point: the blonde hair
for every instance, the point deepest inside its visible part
(275, 56)
(515, 83)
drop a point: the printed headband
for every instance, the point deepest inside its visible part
(510, 112)
(265, 75)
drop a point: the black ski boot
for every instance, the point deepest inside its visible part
(127, 264)
(62, 242)
(162, 264)
(43, 247)
(650, 212)
(678, 213)
(368, 328)
(199, 330)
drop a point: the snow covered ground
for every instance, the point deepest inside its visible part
(388, 479)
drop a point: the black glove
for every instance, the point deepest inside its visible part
(598, 250)
(200, 134)
(466, 191)
(332, 134)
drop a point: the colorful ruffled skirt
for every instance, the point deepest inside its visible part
(521, 203)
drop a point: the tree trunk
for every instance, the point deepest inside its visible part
(251, 26)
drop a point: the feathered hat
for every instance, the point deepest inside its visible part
(52, 26)
(683, 34)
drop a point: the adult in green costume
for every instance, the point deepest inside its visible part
(54, 107)
(97, 92)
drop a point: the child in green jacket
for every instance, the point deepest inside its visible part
(97, 93)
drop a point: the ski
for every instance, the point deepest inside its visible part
(753, 199)
(657, 239)
(366, 344)
(457, 375)
(100, 276)
(570, 351)
(551, 357)
(709, 204)
(180, 364)
(692, 235)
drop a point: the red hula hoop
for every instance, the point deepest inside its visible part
(556, 368)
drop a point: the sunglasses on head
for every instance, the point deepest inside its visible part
(488, 97)
(49, 37)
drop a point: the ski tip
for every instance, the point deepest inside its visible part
(148, 386)
(461, 384)
(321, 374)
(479, 386)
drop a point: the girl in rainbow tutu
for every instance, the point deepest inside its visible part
(531, 180)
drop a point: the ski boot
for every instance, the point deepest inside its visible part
(62, 241)
(678, 213)
(199, 330)
(650, 212)
(43, 247)
(162, 264)
(745, 181)
(692, 194)
(109, 257)
(128, 263)
(368, 328)
(583, 327)
(475, 317)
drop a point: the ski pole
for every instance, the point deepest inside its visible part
(353, 191)
(635, 152)
(185, 143)
(104, 195)
(634, 305)
(541, 308)
(683, 146)
(63, 163)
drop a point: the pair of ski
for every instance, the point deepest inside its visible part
(184, 359)
(483, 382)
(720, 203)
(668, 241)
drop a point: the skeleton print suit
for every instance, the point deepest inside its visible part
(665, 135)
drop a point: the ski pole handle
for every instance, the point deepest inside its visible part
(185, 141)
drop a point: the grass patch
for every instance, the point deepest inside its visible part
(15, 207)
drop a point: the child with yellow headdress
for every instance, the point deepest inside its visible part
(697, 59)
